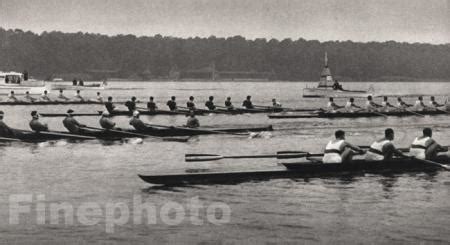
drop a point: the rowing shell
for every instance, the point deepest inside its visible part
(51, 103)
(295, 170)
(354, 114)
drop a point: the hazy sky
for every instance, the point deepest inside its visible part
(357, 20)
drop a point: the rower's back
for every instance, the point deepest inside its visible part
(376, 151)
(333, 151)
(138, 124)
(419, 146)
(106, 123)
(37, 126)
(71, 124)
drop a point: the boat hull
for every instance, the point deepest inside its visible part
(292, 170)
(356, 114)
(327, 92)
(51, 103)
(21, 90)
(96, 86)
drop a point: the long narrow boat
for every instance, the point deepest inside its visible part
(302, 169)
(180, 131)
(322, 114)
(51, 103)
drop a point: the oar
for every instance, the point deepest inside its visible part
(432, 163)
(412, 112)
(196, 130)
(141, 135)
(74, 136)
(8, 139)
(278, 155)
(437, 109)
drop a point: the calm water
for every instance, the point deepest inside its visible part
(372, 209)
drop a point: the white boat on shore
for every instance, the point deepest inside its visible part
(328, 88)
(15, 81)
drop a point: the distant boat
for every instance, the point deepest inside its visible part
(327, 88)
(14, 81)
(89, 86)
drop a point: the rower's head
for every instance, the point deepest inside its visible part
(249, 97)
(60, 91)
(211, 98)
(34, 114)
(385, 98)
(1, 115)
(45, 92)
(173, 98)
(228, 98)
(274, 100)
(399, 99)
(352, 100)
(192, 113)
(105, 114)
(331, 99)
(369, 97)
(191, 98)
(133, 98)
(136, 114)
(151, 98)
(420, 98)
(27, 92)
(432, 98)
(98, 93)
(12, 92)
(339, 134)
(389, 134)
(69, 112)
(78, 91)
(109, 98)
(427, 132)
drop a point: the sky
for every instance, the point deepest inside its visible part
(425, 21)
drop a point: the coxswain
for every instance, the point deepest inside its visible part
(12, 97)
(276, 104)
(190, 104)
(350, 105)
(192, 121)
(331, 106)
(45, 97)
(424, 147)
(35, 124)
(78, 96)
(434, 104)
(61, 96)
(28, 98)
(172, 104)
(339, 150)
(210, 103)
(247, 103)
(370, 105)
(401, 104)
(110, 105)
(131, 104)
(71, 124)
(383, 149)
(229, 104)
(106, 122)
(99, 98)
(336, 85)
(137, 123)
(5, 130)
(385, 104)
(151, 105)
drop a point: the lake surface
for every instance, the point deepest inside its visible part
(404, 208)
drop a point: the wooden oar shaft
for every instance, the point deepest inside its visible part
(8, 139)
(412, 112)
(195, 129)
(432, 163)
(75, 136)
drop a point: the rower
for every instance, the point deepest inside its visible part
(210, 103)
(71, 124)
(137, 123)
(424, 147)
(99, 97)
(28, 98)
(419, 105)
(45, 97)
(401, 104)
(385, 104)
(35, 124)
(370, 105)
(331, 106)
(109, 105)
(434, 104)
(337, 86)
(172, 104)
(61, 96)
(192, 121)
(339, 150)
(190, 104)
(131, 104)
(350, 105)
(151, 105)
(5, 130)
(12, 97)
(106, 122)
(276, 104)
(383, 149)
(247, 103)
(78, 96)
(229, 104)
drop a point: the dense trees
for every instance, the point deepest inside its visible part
(75, 53)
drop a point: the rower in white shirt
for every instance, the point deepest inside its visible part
(332, 107)
(433, 104)
(401, 104)
(350, 105)
(419, 105)
(385, 104)
(370, 105)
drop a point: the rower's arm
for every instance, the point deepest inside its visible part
(391, 148)
(354, 147)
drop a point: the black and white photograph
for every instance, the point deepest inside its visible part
(224, 122)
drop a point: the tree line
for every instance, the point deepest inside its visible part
(49, 53)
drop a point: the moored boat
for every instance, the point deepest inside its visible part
(88, 86)
(302, 169)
